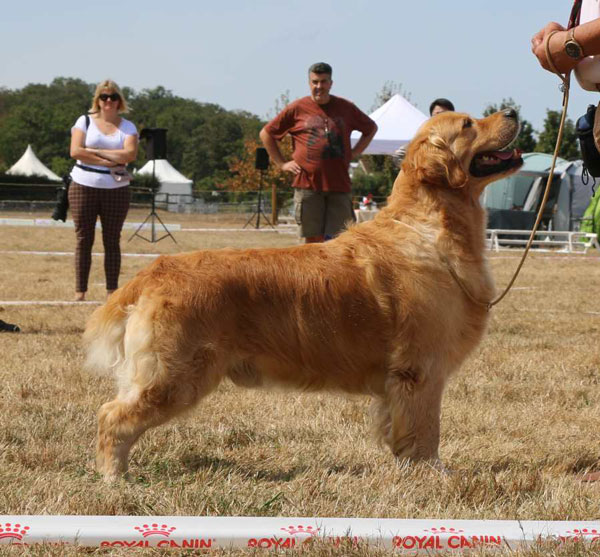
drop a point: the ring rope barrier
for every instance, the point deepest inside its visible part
(185, 532)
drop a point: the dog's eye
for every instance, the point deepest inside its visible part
(467, 123)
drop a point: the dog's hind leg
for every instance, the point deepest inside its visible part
(122, 421)
(153, 387)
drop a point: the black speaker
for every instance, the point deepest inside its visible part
(262, 159)
(156, 142)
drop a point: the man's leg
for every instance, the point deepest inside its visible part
(310, 215)
(338, 213)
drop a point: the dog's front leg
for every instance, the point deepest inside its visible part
(426, 408)
(409, 415)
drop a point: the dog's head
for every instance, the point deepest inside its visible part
(456, 151)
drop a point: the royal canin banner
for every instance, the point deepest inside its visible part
(184, 532)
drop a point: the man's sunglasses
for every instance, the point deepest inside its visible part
(113, 97)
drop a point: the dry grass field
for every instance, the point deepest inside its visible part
(520, 421)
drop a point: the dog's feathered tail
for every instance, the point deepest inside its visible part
(104, 333)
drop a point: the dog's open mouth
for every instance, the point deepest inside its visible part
(494, 162)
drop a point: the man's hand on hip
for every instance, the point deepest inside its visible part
(291, 166)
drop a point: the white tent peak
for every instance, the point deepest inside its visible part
(397, 121)
(30, 165)
(171, 180)
(164, 172)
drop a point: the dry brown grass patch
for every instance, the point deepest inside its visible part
(519, 423)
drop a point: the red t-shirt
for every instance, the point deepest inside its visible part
(321, 140)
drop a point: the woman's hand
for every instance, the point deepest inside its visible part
(82, 153)
(121, 156)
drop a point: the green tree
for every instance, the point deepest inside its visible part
(243, 175)
(41, 115)
(61, 166)
(202, 138)
(569, 147)
(388, 90)
(526, 140)
(280, 103)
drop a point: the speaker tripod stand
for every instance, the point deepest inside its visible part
(152, 217)
(259, 210)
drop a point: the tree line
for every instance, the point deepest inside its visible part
(202, 138)
(213, 146)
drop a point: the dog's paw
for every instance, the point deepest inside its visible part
(440, 467)
(116, 477)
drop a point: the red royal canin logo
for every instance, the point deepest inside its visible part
(14, 531)
(155, 529)
(443, 530)
(576, 532)
(293, 530)
(444, 537)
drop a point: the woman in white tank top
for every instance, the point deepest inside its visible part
(102, 143)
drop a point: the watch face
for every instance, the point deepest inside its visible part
(572, 49)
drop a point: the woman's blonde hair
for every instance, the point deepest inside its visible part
(110, 85)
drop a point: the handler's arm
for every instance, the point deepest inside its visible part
(272, 148)
(587, 35)
(81, 153)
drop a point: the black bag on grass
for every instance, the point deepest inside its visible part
(62, 201)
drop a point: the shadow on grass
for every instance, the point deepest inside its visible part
(194, 463)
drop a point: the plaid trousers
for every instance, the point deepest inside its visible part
(86, 205)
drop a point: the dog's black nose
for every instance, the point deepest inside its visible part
(510, 113)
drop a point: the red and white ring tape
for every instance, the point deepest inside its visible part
(402, 535)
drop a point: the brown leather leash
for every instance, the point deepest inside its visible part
(566, 82)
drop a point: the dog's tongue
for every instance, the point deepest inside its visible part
(505, 155)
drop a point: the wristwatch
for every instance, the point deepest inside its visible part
(572, 48)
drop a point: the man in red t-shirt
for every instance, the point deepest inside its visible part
(320, 126)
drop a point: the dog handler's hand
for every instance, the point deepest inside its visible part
(562, 62)
(291, 166)
(538, 38)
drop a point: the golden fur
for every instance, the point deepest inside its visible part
(374, 311)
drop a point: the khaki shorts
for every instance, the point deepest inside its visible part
(322, 213)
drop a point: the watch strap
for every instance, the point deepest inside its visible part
(571, 39)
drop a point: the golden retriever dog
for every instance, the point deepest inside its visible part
(390, 308)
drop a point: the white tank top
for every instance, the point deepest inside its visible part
(587, 71)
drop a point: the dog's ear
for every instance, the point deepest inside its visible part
(434, 163)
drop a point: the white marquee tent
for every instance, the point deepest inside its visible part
(30, 165)
(397, 122)
(172, 182)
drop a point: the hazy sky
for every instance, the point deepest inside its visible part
(246, 54)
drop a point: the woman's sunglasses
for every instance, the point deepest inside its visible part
(113, 97)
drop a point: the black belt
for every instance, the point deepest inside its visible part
(90, 169)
